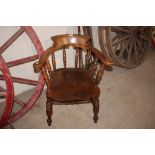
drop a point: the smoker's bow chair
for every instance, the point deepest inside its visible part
(75, 84)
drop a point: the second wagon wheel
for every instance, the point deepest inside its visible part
(103, 41)
(128, 45)
(21, 106)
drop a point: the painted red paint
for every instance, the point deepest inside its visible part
(8, 94)
(25, 107)
(21, 80)
(11, 40)
(32, 100)
(22, 61)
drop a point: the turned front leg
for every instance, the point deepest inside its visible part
(95, 102)
(49, 111)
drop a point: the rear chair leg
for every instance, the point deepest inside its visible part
(49, 111)
(95, 103)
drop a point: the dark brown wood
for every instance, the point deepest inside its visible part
(94, 66)
(95, 102)
(99, 74)
(80, 53)
(49, 111)
(72, 85)
(87, 58)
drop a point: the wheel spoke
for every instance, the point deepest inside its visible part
(8, 117)
(140, 46)
(3, 94)
(119, 29)
(129, 52)
(116, 47)
(22, 61)
(11, 40)
(115, 37)
(120, 40)
(20, 102)
(21, 80)
(136, 52)
(2, 89)
(144, 38)
(123, 49)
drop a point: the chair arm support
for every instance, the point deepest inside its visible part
(106, 61)
(43, 59)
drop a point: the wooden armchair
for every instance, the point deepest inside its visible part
(70, 85)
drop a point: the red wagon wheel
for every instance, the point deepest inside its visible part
(24, 106)
(127, 45)
(6, 93)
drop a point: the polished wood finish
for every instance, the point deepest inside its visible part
(72, 85)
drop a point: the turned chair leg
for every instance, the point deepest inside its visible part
(95, 103)
(49, 111)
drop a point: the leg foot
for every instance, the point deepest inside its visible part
(95, 103)
(49, 111)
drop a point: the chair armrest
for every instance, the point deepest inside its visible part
(43, 59)
(106, 61)
(97, 64)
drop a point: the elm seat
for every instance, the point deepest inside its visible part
(72, 85)
(69, 79)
